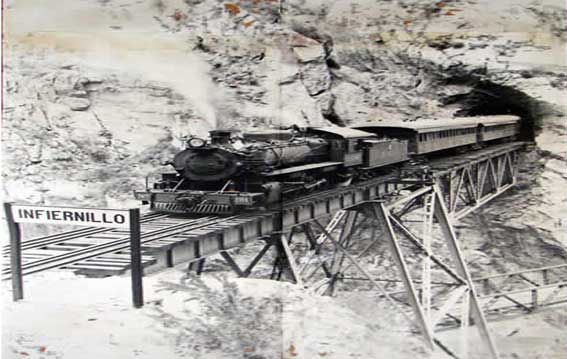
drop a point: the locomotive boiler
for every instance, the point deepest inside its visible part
(227, 173)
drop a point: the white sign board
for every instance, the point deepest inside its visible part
(112, 218)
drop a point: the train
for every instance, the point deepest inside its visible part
(232, 172)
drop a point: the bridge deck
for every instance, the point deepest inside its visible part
(168, 240)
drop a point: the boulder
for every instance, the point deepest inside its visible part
(316, 78)
(309, 54)
(78, 93)
(294, 106)
(305, 49)
(76, 103)
(350, 105)
(66, 81)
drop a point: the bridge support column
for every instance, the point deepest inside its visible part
(419, 219)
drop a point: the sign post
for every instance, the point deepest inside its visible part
(93, 217)
(136, 259)
(15, 254)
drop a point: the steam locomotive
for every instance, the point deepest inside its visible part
(255, 170)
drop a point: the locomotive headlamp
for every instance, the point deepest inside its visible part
(196, 142)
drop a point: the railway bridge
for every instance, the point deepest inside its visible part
(313, 239)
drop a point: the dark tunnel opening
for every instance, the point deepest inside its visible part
(488, 98)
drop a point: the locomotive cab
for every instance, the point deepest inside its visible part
(345, 143)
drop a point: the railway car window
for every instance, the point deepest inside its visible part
(352, 146)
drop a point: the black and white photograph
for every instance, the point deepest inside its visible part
(284, 179)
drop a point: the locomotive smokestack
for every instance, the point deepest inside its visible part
(220, 137)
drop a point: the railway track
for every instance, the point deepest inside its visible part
(153, 228)
(79, 233)
(162, 232)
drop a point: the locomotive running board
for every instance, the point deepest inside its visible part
(308, 167)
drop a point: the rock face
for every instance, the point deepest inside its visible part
(73, 137)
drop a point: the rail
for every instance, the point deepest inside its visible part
(114, 245)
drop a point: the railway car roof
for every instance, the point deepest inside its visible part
(430, 125)
(344, 132)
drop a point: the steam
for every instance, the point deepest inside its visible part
(166, 61)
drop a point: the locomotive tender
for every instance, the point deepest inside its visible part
(260, 169)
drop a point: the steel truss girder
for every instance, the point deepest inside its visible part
(468, 187)
(460, 291)
(199, 264)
